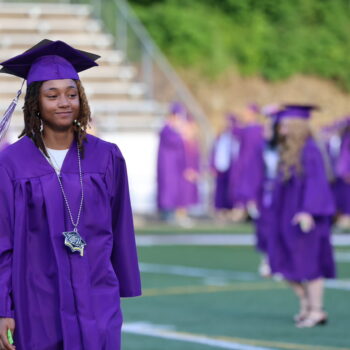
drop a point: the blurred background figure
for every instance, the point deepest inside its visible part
(266, 221)
(223, 163)
(249, 173)
(171, 164)
(300, 248)
(189, 189)
(341, 145)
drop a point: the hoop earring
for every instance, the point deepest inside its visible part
(41, 127)
(77, 123)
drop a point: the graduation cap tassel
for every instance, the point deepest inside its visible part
(6, 119)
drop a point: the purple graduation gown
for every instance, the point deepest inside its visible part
(245, 180)
(170, 169)
(266, 221)
(296, 255)
(221, 182)
(342, 172)
(59, 299)
(192, 161)
(226, 181)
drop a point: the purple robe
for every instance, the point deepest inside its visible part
(341, 185)
(170, 169)
(338, 152)
(192, 161)
(296, 255)
(59, 299)
(225, 180)
(266, 221)
(246, 178)
(342, 168)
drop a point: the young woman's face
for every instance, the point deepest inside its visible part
(285, 127)
(59, 103)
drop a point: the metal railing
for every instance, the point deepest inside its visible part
(153, 69)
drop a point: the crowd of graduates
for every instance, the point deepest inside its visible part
(291, 182)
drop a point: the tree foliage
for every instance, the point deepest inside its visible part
(274, 39)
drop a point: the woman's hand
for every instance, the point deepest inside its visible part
(305, 221)
(5, 325)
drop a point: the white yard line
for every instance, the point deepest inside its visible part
(215, 239)
(343, 257)
(197, 272)
(166, 333)
(220, 277)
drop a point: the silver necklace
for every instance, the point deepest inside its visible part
(73, 240)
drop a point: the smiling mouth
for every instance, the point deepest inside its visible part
(64, 113)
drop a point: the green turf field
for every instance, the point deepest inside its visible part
(202, 297)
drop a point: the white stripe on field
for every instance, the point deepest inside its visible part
(342, 256)
(222, 275)
(338, 284)
(196, 239)
(215, 239)
(197, 272)
(166, 333)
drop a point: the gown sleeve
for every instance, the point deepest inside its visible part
(317, 198)
(6, 243)
(124, 253)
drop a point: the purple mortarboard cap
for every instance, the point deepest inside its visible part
(254, 107)
(297, 111)
(178, 109)
(231, 118)
(49, 60)
(276, 115)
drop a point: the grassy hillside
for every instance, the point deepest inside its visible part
(268, 38)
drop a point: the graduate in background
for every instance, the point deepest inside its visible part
(67, 244)
(244, 182)
(265, 221)
(171, 164)
(300, 248)
(190, 187)
(223, 164)
(342, 175)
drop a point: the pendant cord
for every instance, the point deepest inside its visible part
(75, 224)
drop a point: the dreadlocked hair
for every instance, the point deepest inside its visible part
(32, 119)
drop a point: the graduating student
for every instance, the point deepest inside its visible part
(342, 175)
(251, 166)
(266, 220)
(224, 164)
(190, 187)
(300, 248)
(67, 245)
(171, 163)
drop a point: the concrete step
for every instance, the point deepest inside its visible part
(122, 122)
(127, 107)
(108, 56)
(109, 72)
(45, 26)
(33, 10)
(103, 122)
(105, 107)
(91, 40)
(98, 74)
(106, 90)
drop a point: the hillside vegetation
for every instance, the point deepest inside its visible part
(267, 38)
